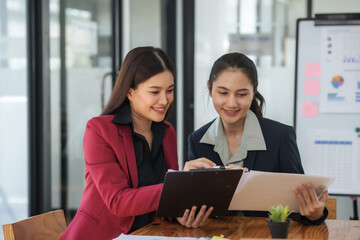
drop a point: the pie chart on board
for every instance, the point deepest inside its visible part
(337, 81)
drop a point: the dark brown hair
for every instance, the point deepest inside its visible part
(239, 61)
(139, 65)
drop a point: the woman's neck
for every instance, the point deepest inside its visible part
(233, 133)
(234, 129)
(141, 125)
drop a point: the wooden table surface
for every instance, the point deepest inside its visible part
(253, 227)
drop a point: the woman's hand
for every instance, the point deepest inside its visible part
(233, 166)
(198, 163)
(310, 205)
(190, 221)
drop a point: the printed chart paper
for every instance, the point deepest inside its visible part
(340, 74)
(333, 153)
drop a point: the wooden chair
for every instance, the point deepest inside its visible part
(331, 206)
(47, 226)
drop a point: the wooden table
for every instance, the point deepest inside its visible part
(253, 227)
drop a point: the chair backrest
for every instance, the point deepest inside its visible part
(331, 206)
(48, 226)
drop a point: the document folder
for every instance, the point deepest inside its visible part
(210, 187)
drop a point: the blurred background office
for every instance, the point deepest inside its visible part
(59, 60)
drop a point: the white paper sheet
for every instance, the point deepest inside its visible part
(335, 153)
(259, 191)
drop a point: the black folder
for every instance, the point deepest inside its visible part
(210, 187)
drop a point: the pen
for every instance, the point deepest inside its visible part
(221, 167)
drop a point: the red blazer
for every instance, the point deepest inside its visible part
(111, 198)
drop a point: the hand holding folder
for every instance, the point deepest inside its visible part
(258, 190)
(211, 187)
(232, 190)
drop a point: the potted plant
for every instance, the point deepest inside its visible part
(278, 221)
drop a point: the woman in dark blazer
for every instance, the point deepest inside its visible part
(241, 137)
(128, 150)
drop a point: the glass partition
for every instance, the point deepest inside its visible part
(81, 83)
(13, 112)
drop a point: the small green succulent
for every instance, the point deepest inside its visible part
(279, 213)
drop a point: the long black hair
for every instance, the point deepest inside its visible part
(239, 61)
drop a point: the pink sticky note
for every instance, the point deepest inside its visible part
(312, 70)
(312, 87)
(309, 109)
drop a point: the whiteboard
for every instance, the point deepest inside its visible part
(327, 103)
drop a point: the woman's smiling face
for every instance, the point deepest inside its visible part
(232, 94)
(152, 98)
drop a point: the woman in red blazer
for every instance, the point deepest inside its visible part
(128, 150)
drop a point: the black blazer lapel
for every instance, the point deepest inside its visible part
(250, 160)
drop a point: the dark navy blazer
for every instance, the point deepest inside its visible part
(281, 155)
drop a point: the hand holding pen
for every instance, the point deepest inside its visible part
(231, 166)
(201, 163)
(198, 164)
